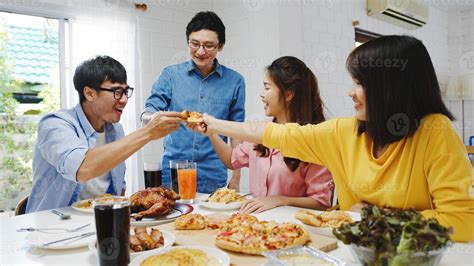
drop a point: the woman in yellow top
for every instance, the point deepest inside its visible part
(399, 150)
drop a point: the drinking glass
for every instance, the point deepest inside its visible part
(174, 173)
(187, 181)
(112, 223)
(152, 172)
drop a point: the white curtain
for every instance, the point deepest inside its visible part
(111, 34)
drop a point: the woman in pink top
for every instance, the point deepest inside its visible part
(290, 94)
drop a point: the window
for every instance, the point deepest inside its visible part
(30, 54)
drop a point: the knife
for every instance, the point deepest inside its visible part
(68, 238)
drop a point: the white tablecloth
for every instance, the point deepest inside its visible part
(15, 251)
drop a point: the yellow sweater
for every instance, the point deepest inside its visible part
(429, 171)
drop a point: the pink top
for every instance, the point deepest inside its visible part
(271, 176)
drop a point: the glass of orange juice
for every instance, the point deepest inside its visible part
(187, 181)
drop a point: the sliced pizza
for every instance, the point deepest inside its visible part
(251, 236)
(326, 219)
(192, 221)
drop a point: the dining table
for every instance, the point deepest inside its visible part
(16, 251)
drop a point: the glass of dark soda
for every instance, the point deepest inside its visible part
(112, 223)
(152, 172)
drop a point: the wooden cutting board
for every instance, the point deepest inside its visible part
(207, 238)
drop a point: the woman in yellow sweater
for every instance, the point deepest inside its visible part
(399, 150)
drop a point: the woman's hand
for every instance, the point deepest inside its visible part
(209, 124)
(358, 207)
(261, 204)
(203, 127)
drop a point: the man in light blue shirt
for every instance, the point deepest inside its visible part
(81, 151)
(201, 85)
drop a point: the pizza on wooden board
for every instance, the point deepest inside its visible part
(243, 233)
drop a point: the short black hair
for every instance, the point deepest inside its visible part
(93, 72)
(400, 86)
(207, 20)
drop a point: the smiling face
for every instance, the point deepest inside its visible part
(101, 107)
(358, 96)
(203, 58)
(273, 103)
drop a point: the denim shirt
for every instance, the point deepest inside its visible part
(63, 139)
(220, 94)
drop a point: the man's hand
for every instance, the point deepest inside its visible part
(258, 205)
(163, 123)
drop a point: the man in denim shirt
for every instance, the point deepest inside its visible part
(80, 152)
(202, 85)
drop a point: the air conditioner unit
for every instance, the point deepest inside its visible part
(409, 14)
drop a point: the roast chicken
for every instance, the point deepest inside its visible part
(152, 202)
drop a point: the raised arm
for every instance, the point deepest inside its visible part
(223, 150)
(246, 131)
(103, 158)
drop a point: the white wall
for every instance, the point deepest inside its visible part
(161, 41)
(461, 61)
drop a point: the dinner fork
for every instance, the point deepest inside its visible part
(32, 229)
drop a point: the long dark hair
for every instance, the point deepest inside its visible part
(292, 75)
(400, 86)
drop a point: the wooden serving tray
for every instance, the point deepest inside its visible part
(207, 237)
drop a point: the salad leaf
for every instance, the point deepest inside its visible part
(389, 232)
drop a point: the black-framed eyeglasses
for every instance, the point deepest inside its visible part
(209, 47)
(119, 92)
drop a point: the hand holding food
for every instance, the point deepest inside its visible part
(205, 126)
(163, 123)
(191, 117)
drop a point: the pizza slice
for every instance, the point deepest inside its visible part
(192, 221)
(191, 117)
(326, 219)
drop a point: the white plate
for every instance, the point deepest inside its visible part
(327, 231)
(179, 210)
(220, 206)
(219, 255)
(37, 239)
(168, 237)
(86, 210)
